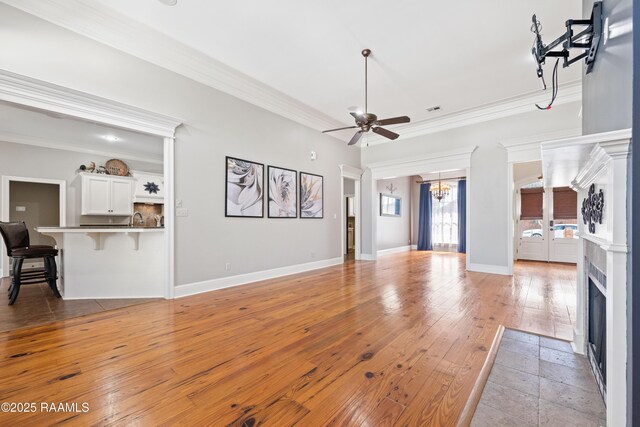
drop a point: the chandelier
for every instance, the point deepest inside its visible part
(440, 190)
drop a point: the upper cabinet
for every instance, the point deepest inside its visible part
(149, 187)
(106, 195)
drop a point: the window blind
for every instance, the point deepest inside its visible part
(565, 203)
(531, 203)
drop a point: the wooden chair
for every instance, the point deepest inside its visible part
(16, 240)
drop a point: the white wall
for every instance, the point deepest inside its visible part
(395, 232)
(488, 175)
(215, 125)
(349, 187)
(606, 91)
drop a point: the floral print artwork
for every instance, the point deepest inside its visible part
(311, 188)
(283, 201)
(244, 188)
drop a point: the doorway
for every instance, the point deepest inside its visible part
(37, 202)
(350, 243)
(350, 219)
(349, 188)
(546, 223)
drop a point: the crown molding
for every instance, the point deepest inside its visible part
(567, 93)
(16, 138)
(35, 93)
(107, 26)
(458, 159)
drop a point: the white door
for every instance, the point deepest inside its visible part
(563, 242)
(534, 238)
(95, 197)
(544, 238)
(121, 197)
(533, 235)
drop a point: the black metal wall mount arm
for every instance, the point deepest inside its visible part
(588, 40)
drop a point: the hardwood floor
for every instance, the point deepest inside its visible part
(395, 342)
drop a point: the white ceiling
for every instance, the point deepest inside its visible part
(459, 55)
(36, 127)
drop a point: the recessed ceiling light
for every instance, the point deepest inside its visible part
(169, 2)
(111, 138)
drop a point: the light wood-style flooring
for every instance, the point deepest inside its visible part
(399, 341)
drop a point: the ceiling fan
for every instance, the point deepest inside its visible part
(368, 121)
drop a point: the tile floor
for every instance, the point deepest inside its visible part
(538, 381)
(36, 305)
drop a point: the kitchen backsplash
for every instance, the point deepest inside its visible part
(149, 213)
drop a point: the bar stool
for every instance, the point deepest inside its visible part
(16, 240)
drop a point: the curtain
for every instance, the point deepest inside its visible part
(424, 220)
(462, 216)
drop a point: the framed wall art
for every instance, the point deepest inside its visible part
(283, 193)
(244, 188)
(311, 195)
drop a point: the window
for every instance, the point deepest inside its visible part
(444, 225)
(565, 213)
(531, 210)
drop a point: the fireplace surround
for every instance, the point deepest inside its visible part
(600, 327)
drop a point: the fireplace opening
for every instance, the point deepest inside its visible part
(597, 347)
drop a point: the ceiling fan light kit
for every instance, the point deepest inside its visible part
(367, 121)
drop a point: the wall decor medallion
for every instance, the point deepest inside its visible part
(283, 193)
(151, 187)
(592, 208)
(244, 188)
(311, 196)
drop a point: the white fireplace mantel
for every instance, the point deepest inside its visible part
(601, 159)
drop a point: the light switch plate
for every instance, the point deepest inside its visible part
(182, 212)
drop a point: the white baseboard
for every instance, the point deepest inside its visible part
(414, 247)
(394, 250)
(243, 279)
(488, 268)
(367, 257)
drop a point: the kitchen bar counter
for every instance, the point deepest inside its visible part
(109, 261)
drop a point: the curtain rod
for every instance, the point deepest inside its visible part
(445, 179)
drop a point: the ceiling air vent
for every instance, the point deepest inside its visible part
(432, 109)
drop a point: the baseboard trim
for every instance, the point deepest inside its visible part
(367, 257)
(414, 247)
(488, 268)
(394, 250)
(243, 279)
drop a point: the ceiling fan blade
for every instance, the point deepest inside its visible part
(357, 116)
(333, 130)
(393, 121)
(356, 137)
(386, 133)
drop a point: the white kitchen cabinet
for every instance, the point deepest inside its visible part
(106, 195)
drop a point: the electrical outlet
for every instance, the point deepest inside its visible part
(21, 208)
(227, 266)
(313, 254)
(178, 203)
(182, 212)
